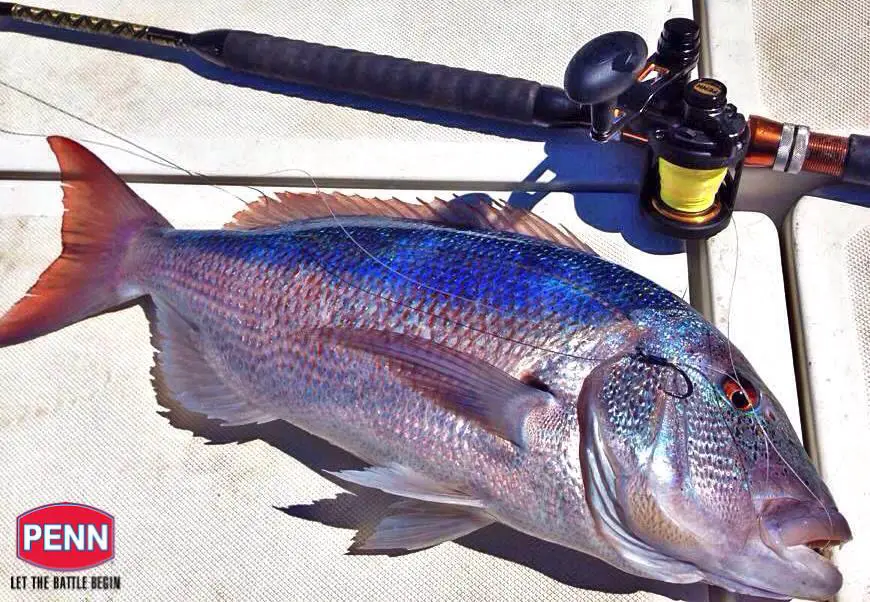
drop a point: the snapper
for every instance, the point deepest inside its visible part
(488, 366)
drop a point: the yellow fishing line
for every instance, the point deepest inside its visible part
(689, 190)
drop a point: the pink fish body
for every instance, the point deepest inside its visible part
(487, 365)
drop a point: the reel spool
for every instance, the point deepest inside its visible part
(695, 165)
(697, 141)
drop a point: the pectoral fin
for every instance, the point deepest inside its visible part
(414, 525)
(460, 382)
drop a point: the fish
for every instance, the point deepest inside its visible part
(486, 366)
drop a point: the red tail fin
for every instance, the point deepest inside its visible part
(101, 214)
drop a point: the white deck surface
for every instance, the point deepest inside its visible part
(830, 250)
(796, 61)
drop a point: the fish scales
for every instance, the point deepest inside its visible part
(317, 277)
(484, 374)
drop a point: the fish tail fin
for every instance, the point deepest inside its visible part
(101, 215)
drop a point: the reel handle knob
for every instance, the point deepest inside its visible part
(603, 69)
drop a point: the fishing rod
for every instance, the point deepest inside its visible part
(697, 142)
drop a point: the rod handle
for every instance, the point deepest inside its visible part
(388, 78)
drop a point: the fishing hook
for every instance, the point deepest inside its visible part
(656, 360)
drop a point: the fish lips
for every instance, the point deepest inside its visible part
(800, 531)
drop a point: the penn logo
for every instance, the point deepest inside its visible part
(66, 537)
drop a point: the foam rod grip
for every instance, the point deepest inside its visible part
(381, 77)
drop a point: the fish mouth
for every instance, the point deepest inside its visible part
(804, 533)
(789, 523)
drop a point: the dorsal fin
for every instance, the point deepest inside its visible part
(463, 212)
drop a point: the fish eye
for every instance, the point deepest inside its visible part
(742, 395)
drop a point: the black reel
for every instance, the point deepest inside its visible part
(697, 141)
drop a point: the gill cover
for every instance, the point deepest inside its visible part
(606, 480)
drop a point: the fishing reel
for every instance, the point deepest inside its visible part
(697, 142)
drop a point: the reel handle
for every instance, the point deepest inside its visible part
(601, 71)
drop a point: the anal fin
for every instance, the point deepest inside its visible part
(401, 480)
(184, 372)
(414, 525)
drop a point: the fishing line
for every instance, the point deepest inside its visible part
(418, 309)
(806, 486)
(324, 197)
(156, 158)
(731, 303)
(741, 456)
(770, 442)
(160, 160)
(766, 453)
(721, 415)
(91, 124)
(163, 161)
(736, 374)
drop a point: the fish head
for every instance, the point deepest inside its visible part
(693, 471)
